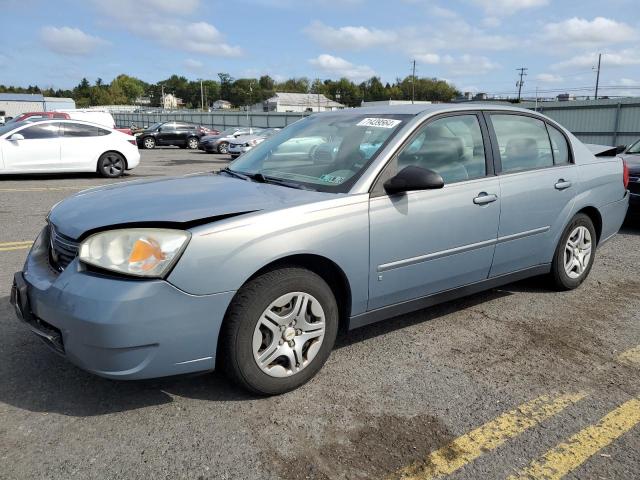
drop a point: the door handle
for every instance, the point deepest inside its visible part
(483, 198)
(562, 184)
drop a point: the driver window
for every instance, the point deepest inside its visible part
(451, 146)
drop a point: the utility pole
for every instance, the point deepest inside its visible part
(598, 75)
(520, 82)
(413, 83)
(162, 87)
(201, 95)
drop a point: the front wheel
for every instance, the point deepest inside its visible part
(192, 143)
(279, 331)
(223, 147)
(149, 143)
(574, 254)
(111, 165)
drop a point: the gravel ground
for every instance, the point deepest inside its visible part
(389, 395)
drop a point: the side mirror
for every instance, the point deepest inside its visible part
(620, 149)
(413, 178)
(16, 136)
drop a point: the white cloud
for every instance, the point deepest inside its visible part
(460, 65)
(627, 82)
(429, 58)
(623, 58)
(69, 41)
(193, 64)
(508, 7)
(581, 32)
(175, 7)
(169, 30)
(349, 37)
(548, 78)
(340, 67)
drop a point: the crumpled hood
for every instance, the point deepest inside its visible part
(171, 200)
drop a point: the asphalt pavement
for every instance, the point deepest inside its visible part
(516, 382)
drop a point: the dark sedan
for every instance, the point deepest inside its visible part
(180, 134)
(632, 158)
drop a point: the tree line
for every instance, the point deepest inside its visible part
(127, 90)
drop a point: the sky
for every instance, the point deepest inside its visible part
(476, 45)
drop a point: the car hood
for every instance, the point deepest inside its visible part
(176, 200)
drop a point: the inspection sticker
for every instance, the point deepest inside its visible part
(379, 122)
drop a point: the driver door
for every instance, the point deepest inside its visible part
(425, 242)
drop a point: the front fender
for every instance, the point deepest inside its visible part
(221, 256)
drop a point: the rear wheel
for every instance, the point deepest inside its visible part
(574, 254)
(111, 165)
(279, 331)
(149, 143)
(223, 147)
(192, 143)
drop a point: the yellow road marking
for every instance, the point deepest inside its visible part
(631, 356)
(6, 246)
(568, 456)
(43, 189)
(489, 436)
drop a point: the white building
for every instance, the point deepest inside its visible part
(297, 102)
(13, 104)
(221, 105)
(171, 102)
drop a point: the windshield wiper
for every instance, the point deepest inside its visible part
(233, 173)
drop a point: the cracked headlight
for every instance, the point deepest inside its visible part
(142, 252)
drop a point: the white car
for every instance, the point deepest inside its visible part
(52, 146)
(244, 143)
(101, 117)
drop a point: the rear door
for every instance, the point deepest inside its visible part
(81, 145)
(538, 182)
(39, 151)
(425, 242)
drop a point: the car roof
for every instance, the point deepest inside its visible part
(64, 120)
(416, 109)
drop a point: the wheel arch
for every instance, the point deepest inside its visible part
(126, 162)
(596, 217)
(327, 269)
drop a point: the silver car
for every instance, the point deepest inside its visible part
(244, 143)
(253, 270)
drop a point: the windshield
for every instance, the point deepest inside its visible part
(9, 126)
(635, 148)
(154, 126)
(326, 152)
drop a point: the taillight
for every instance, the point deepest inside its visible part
(625, 174)
(132, 142)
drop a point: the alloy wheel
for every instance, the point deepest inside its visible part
(577, 252)
(193, 143)
(289, 334)
(149, 143)
(113, 165)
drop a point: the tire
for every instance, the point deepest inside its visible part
(247, 334)
(149, 143)
(223, 148)
(111, 165)
(192, 143)
(570, 265)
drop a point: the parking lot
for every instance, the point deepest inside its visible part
(517, 382)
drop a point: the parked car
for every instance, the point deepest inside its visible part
(631, 156)
(52, 146)
(180, 134)
(252, 270)
(244, 143)
(94, 116)
(220, 143)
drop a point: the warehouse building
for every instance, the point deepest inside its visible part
(297, 102)
(13, 104)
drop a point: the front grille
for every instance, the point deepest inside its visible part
(634, 185)
(62, 249)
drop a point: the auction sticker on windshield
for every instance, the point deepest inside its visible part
(379, 122)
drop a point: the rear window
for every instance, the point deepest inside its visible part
(81, 130)
(523, 142)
